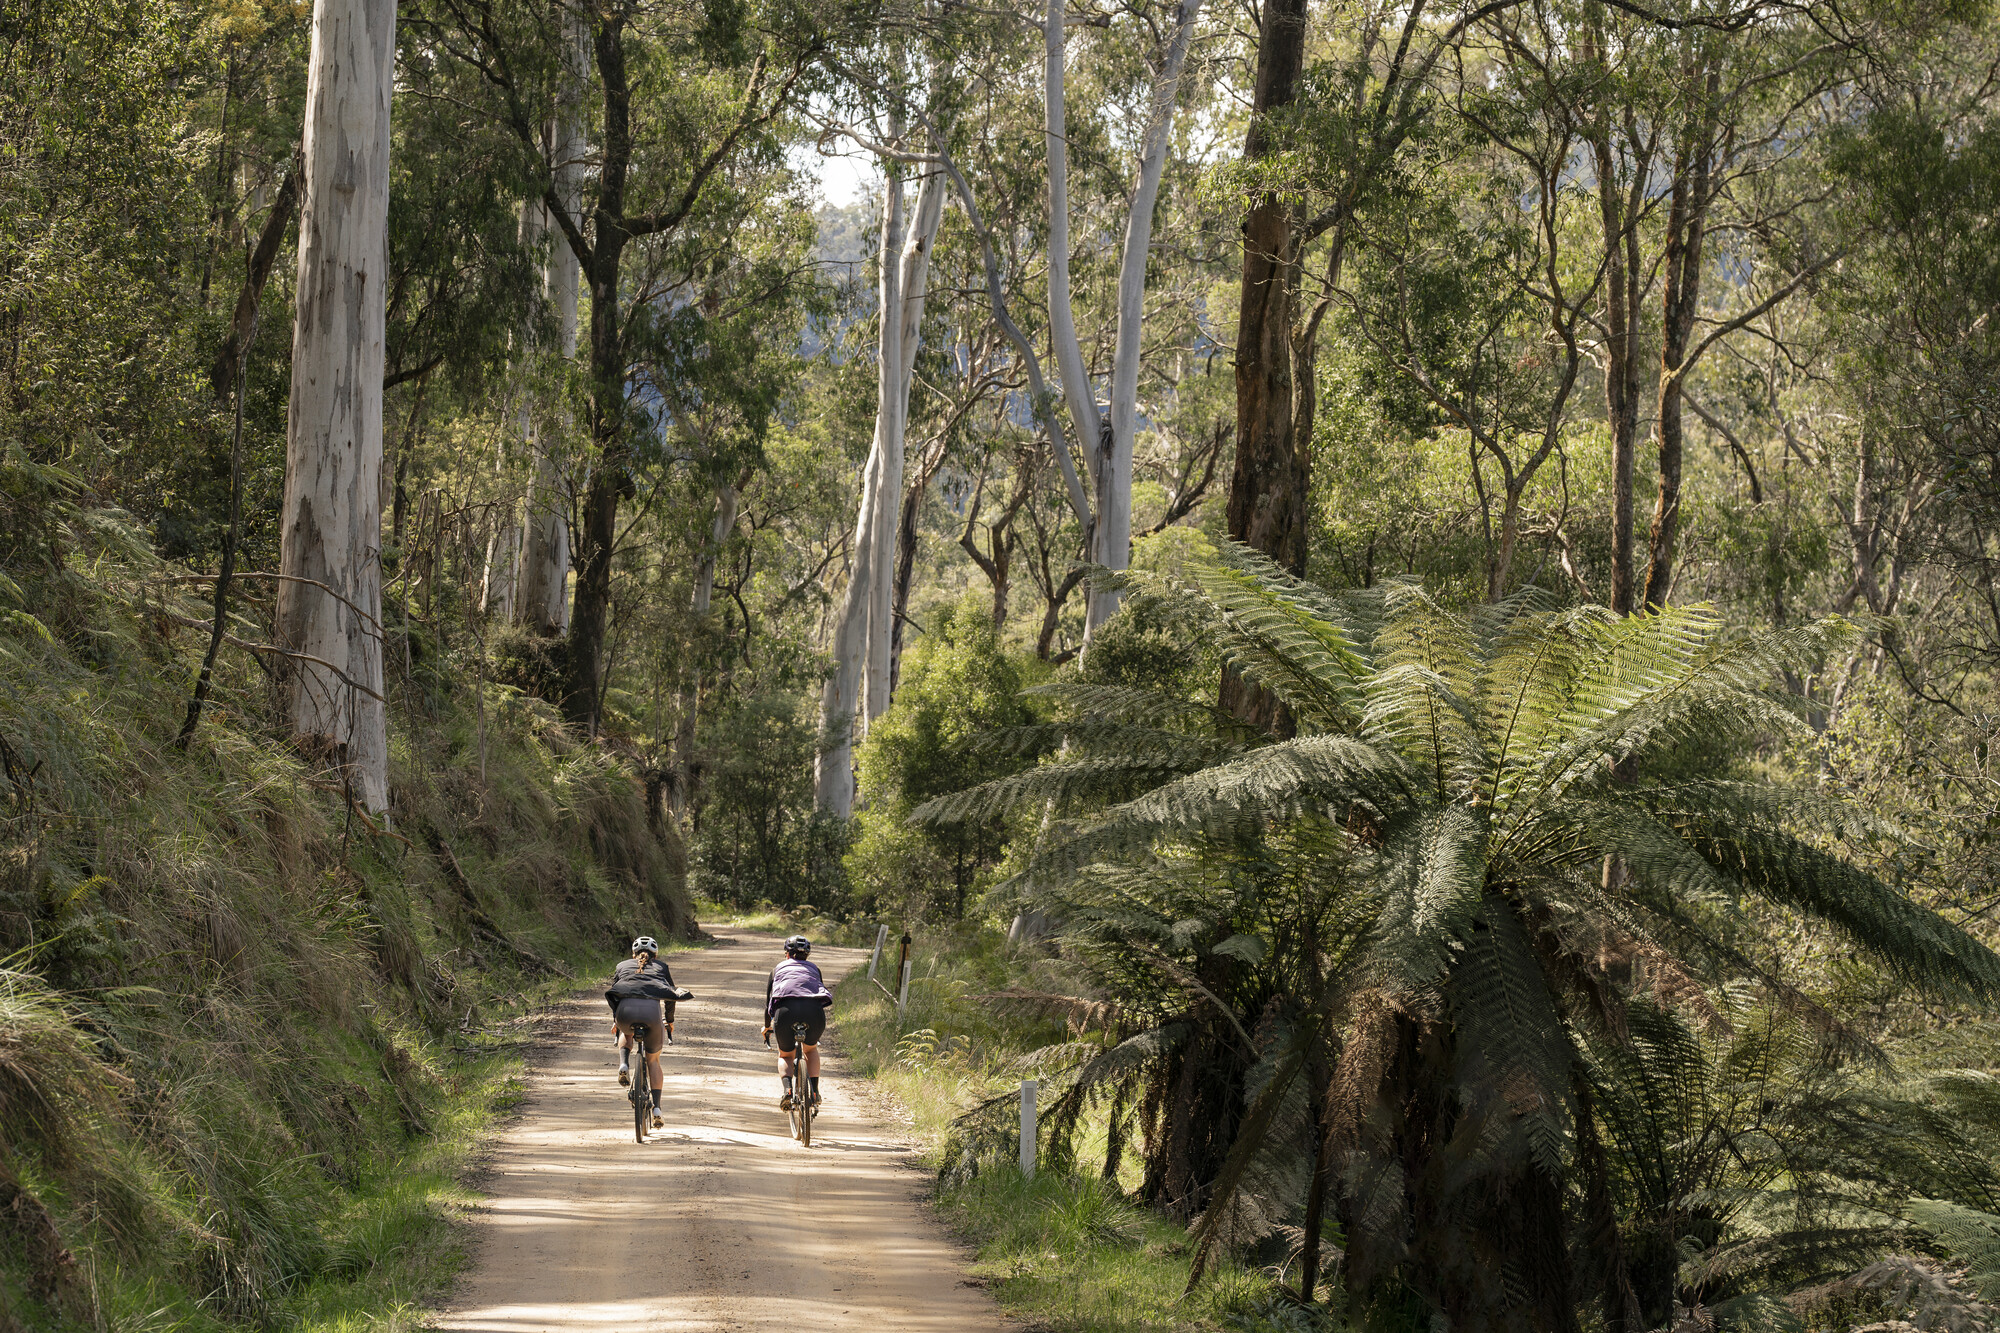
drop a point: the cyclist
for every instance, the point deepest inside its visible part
(642, 996)
(796, 993)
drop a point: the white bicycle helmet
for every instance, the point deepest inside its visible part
(646, 944)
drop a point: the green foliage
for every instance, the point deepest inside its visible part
(959, 689)
(760, 840)
(158, 907)
(1457, 788)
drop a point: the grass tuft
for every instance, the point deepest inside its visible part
(1066, 1252)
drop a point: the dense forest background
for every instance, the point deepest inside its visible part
(1254, 361)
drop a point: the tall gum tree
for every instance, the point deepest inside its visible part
(1268, 487)
(1103, 436)
(330, 598)
(667, 132)
(858, 685)
(543, 602)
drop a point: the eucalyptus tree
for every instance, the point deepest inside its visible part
(857, 688)
(1464, 286)
(543, 603)
(675, 100)
(1501, 830)
(1102, 437)
(329, 605)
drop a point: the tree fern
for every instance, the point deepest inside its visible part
(1467, 865)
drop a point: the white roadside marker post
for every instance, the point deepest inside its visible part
(875, 960)
(1028, 1128)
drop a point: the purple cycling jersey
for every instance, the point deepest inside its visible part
(794, 979)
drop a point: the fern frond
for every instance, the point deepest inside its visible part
(1433, 876)
(1065, 785)
(1086, 701)
(1233, 800)
(1804, 1254)
(1916, 944)
(1967, 1235)
(1773, 805)
(1514, 1054)
(1421, 698)
(1086, 739)
(1279, 1105)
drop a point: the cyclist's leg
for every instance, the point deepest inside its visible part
(624, 1056)
(787, 1057)
(651, 1036)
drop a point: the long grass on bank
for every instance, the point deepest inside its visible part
(1066, 1252)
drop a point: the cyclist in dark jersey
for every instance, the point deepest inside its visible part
(642, 996)
(796, 993)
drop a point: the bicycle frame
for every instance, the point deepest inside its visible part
(641, 1094)
(802, 1111)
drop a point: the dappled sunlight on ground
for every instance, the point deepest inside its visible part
(719, 1221)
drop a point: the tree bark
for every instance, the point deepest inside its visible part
(1691, 192)
(1112, 532)
(543, 603)
(1078, 393)
(332, 522)
(893, 418)
(600, 257)
(843, 697)
(1267, 493)
(906, 551)
(1106, 439)
(1624, 280)
(1268, 489)
(590, 606)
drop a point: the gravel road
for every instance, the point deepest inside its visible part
(720, 1221)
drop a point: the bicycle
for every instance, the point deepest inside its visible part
(802, 1111)
(641, 1095)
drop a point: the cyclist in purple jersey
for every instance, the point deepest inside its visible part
(796, 993)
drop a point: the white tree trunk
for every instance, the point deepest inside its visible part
(728, 499)
(332, 524)
(892, 426)
(843, 698)
(1078, 393)
(1113, 533)
(1107, 444)
(544, 599)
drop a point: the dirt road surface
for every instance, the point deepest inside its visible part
(719, 1221)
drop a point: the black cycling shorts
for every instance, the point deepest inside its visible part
(811, 1012)
(643, 1014)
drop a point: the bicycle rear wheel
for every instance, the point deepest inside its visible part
(642, 1082)
(806, 1112)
